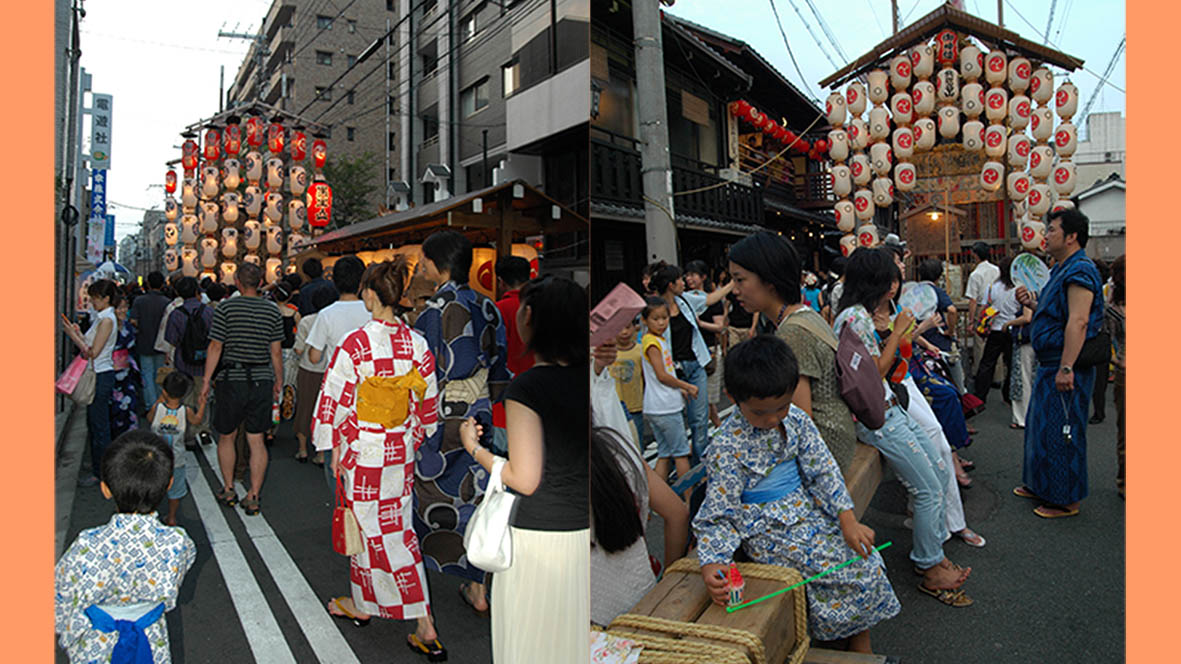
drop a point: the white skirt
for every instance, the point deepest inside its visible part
(541, 605)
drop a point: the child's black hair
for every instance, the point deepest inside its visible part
(177, 384)
(613, 503)
(652, 303)
(761, 368)
(137, 468)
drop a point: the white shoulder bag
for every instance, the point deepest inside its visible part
(488, 540)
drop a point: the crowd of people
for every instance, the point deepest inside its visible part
(407, 388)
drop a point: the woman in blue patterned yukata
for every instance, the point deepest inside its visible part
(466, 335)
(775, 491)
(125, 396)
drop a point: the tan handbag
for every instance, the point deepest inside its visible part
(346, 533)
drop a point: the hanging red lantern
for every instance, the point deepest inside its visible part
(275, 138)
(233, 140)
(319, 204)
(319, 152)
(299, 145)
(170, 181)
(212, 144)
(820, 146)
(788, 136)
(770, 128)
(188, 151)
(254, 129)
(739, 108)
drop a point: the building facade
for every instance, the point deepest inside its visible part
(1104, 151)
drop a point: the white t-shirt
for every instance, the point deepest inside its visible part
(170, 425)
(335, 322)
(301, 345)
(103, 361)
(980, 281)
(1004, 300)
(660, 399)
(162, 344)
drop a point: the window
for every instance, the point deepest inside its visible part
(393, 73)
(511, 75)
(324, 57)
(351, 94)
(430, 126)
(391, 108)
(352, 26)
(351, 133)
(393, 144)
(324, 22)
(323, 94)
(468, 27)
(428, 6)
(429, 62)
(352, 59)
(474, 98)
(393, 175)
(389, 6)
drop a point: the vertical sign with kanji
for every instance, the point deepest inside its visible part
(100, 132)
(109, 234)
(96, 226)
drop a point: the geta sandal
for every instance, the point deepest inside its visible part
(1058, 513)
(345, 614)
(1022, 492)
(434, 652)
(950, 597)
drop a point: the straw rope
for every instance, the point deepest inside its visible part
(735, 637)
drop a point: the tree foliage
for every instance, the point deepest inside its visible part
(353, 181)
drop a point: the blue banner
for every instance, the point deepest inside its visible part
(98, 193)
(109, 233)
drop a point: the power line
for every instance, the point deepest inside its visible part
(1050, 20)
(827, 33)
(1102, 79)
(875, 18)
(91, 33)
(816, 39)
(912, 8)
(803, 78)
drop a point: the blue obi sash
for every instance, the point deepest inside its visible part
(777, 484)
(132, 646)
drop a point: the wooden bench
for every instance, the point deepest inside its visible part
(863, 476)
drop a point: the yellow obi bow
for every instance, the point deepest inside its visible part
(386, 399)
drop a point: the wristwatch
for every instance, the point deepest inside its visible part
(1065, 369)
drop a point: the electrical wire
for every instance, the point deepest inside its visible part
(823, 51)
(803, 78)
(832, 39)
(1102, 80)
(875, 18)
(912, 8)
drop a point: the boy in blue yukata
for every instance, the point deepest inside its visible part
(775, 491)
(114, 583)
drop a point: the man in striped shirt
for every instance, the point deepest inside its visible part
(244, 340)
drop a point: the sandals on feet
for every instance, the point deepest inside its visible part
(1048, 511)
(1022, 492)
(967, 465)
(227, 497)
(463, 594)
(344, 613)
(433, 650)
(956, 598)
(971, 537)
(302, 458)
(250, 505)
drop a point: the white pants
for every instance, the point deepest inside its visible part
(921, 411)
(1025, 361)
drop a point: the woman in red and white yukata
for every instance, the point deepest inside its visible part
(378, 402)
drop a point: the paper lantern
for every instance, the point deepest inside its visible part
(319, 153)
(171, 209)
(229, 207)
(834, 108)
(252, 200)
(1041, 85)
(1041, 161)
(297, 214)
(972, 101)
(863, 204)
(858, 133)
(994, 141)
(188, 262)
(880, 157)
(996, 104)
(273, 270)
(299, 145)
(947, 47)
(739, 108)
(252, 234)
(253, 259)
(859, 168)
(1020, 72)
(208, 215)
(229, 242)
(212, 145)
(838, 145)
(855, 98)
(1066, 139)
(900, 71)
(188, 193)
(254, 167)
(879, 123)
(902, 107)
(1020, 109)
(867, 236)
(991, 176)
(845, 215)
(526, 251)
(295, 243)
(273, 210)
(171, 260)
(170, 182)
(254, 131)
(1041, 123)
(903, 142)
(848, 244)
(970, 65)
(878, 89)
(228, 271)
(905, 176)
(319, 204)
(923, 97)
(771, 128)
(973, 135)
(947, 86)
(1017, 186)
(883, 191)
(996, 67)
(1018, 151)
(171, 234)
(1064, 177)
(275, 138)
(1032, 234)
(188, 157)
(924, 134)
(188, 229)
(1039, 199)
(231, 174)
(274, 170)
(842, 180)
(233, 140)
(274, 236)
(298, 180)
(208, 252)
(209, 184)
(1066, 100)
(482, 275)
(922, 61)
(1062, 204)
(949, 121)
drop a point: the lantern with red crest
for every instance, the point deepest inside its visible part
(739, 108)
(275, 137)
(212, 144)
(188, 151)
(254, 131)
(319, 204)
(170, 181)
(232, 137)
(299, 144)
(319, 153)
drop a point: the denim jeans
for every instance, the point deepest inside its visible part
(148, 366)
(637, 420)
(98, 419)
(915, 459)
(697, 410)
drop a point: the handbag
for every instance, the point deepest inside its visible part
(346, 533)
(78, 381)
(488, 539)
(1095, 351)
(860, 382)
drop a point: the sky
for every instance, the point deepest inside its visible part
(160, 60)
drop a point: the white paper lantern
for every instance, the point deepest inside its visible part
(1041, 161)
(188, 193)
(923, 97)
(252, 232)
(838, 141)
(848, 244)
(880, 157)
(834, 108)
(295, 243)
(970, 65)
(903, 142)
(992, 176)
(228, 270)
(1032, 234)
(253, 259)
(863, 204)
(973, 135)
(878, 90)
(845, 215)
(883, 191)
(947, 85)
(273, 212)
(972, 100)
(996, 104)
(229, 207)
(867, 236)
(855, 98)
(1062, 204)
(949, 121)
(905, 176)
(171, 209)
(996, 67)
(1039, 199)
(188, 262)
(902, 108)
(297, 214)
(1020, 72)
(231, 174)
(273, 270)
(858, 133)
(1018, 151)
(1041, 123)
(171, 234)
(229, 242)
(900, 71)
(922, 61)
(860, 169)
(1066, 139)
(208, 252)
(207, 215)
(1064, 178)
(298, 180)
(274, 239)
(994, 141)
(171, 260)
(188, 229)
(209, 184)
(1041, 85)
(1018, 185)
(253, 166)
(879, 123)
(252, 201)
(1020, 108)
(924, 134)
(1066, 100)
(274, 173)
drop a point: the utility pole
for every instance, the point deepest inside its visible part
(654, 155)
(386, 40)
(261, 53)
(894, 14)
(1000, 13)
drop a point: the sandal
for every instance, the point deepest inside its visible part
(302, 458)
(964, 571)
(950, 597)
(967, 465)
(463, 594)
(964, 481)
(250, 505)
(1022, 492)
(434, 652)
(971, 537)
(1016, 427)
(345, 614)
(1057, 512)
(227, 497)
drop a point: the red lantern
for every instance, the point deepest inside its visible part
(820, 146)
(233, 140)
(739, 108)
(319, 204)
(254, 129)
(770, 128)
(299, 145)
(170, 181)
(803, 146)
(319, 152)
(188, 151)
(275, 138)
(212, 144)
(788, 136)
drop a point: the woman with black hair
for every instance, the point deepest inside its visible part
(712, 324)
(540, 605)
(871, 281)
(765, 269)
(689, 350)
(98, 345)
(467, 337)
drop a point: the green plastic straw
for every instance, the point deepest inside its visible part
(732, 609)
